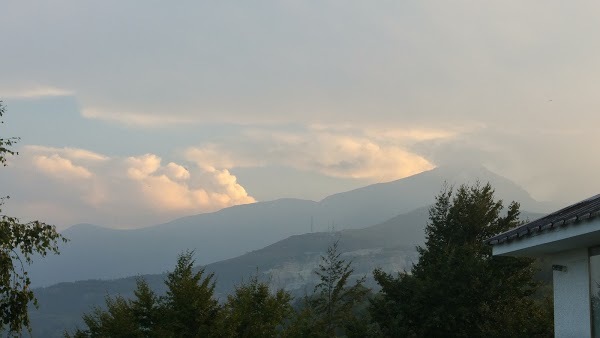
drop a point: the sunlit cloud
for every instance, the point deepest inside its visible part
(33, 92)
(170, 187)
(138, 119)
(212, 155)
(177, 171)
(135, 191)
(60, 167)
(74, 153)
(367, 91)
(335, 152)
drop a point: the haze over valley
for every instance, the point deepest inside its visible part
(272, 240)
(93, 250)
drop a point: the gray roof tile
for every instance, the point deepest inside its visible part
(585, 209)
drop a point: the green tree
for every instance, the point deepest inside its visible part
(187, 310)
(147, 308)
(116, 321)
(253, 311)
(191, 309)
(137, 318)
(332, 309)
(19, 243)
(303, 322)
(458, 288)
(335, 299)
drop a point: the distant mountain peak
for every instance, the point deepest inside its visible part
(84, 227)
(93, 250)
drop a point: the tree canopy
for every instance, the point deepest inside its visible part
(190, 309)
(334, 308)
(458, 288)
(253, 311)
(19, 243)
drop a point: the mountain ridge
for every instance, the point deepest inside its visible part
(287, 264)
(230, 232)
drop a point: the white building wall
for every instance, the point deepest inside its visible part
(583, 234)
(571, 294)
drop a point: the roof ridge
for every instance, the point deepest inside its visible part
(587, 208)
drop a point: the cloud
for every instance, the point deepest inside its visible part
(135, 191)
(170, 187)
(142, 166)
(59, 167)
(74, 153)
(177, 172)
(138, 119)
(549, 162)
(385, 89)
(378, 64)
(212, 155)
(331, 151)
(33, 92)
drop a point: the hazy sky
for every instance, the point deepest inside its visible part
(132, 113)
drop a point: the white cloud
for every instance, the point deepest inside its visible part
(383, 85)
(33, 92)
(212, 155)
(177, 171)
(393, 62)
(332, 151)
(73, 153)
(133, 191)
(60, 167)
(138, 119)
(142, 166)
(169, 187)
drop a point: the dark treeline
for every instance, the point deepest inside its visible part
(457, 289)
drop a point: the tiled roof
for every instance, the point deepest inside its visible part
(585, 209)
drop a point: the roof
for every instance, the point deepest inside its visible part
(586, 209)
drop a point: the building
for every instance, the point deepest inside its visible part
(570, 239)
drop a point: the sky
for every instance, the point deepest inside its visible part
(133, 113)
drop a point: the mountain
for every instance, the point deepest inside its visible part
(378, 202)
(287, 264)
(96, 252)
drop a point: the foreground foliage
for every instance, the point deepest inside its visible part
(336, 307)
(19, 243)
(189, 307)
(187, 310)
(253, 311)
(458, 288)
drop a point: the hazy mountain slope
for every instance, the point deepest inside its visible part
(95, 252)
(293, 259)
(379, 202)
(290, 263)
(286, 264)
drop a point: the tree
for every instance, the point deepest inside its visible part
(187, 310)
(19, 243)
(330, 309)
(191, 310)
(458, 288)
(117, 320)
(335, 300)
(252, 311)
(139, 317)
(146, 308)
